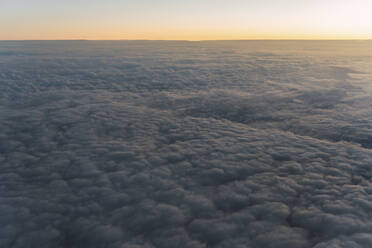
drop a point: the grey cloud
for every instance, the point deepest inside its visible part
(185, 144)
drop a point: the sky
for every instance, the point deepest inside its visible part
(185, 20)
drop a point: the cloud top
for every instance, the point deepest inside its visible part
(151, 144)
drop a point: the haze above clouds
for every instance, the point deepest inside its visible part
(185, 144)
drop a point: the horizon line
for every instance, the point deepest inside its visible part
(185, 40)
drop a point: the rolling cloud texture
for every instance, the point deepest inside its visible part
(185, 144)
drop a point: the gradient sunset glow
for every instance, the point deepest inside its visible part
(185, 20)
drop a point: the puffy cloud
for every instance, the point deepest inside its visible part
(178, 144)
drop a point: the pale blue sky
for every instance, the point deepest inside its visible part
(191, 19)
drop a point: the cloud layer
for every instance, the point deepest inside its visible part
(177, 144)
